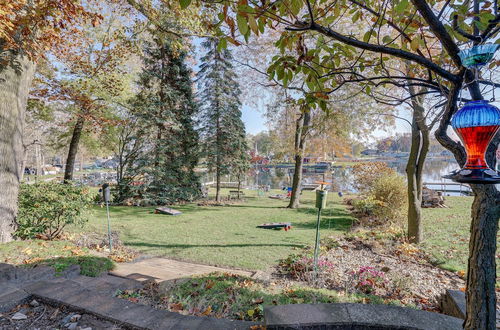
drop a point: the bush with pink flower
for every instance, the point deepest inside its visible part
(301, 267)
(367, 279)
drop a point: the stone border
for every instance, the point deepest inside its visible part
(453, 303)
(95, 296)
(131, 315)
(355, 317)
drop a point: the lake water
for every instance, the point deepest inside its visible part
(340, 178)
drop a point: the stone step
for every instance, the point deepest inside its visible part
(18, 274)
(107, 284)
(76, 296)
(7, 272)
(11, 296)
(354, 317)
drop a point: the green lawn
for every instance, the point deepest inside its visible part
(446, 233)
(223, 235)
(228, 236)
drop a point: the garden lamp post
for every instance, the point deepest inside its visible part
(106, 195)
(320, 204)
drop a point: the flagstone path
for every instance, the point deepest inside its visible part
(162, 269)
(96, 296)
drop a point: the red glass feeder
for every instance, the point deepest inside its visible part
(476, 124)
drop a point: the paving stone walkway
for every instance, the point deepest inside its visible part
(162, 269)
(96, 296)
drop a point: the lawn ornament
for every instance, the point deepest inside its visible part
(106, 196)
(477, 56)
(167, 211)
(276, 225)
(476, 123)
(320, 204)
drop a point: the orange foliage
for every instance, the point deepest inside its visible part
(365, 174)
(33, 27)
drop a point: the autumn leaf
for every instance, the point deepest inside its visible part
(207, 311)
(209, 284)
(176, 307)
(257, 301)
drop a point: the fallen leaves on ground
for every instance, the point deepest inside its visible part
(207, 311)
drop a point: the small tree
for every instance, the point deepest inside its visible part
(223, 130)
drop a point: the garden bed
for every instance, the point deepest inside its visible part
(233, 296)
(35, 315)
(384, 268)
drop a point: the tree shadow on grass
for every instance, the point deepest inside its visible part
(327, 212)
(141, 211)
(331, 218)
(257, 207)
(187, 246)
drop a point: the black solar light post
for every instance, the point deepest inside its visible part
(320, 204)
(106, 195)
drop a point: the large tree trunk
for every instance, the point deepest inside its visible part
(218, 160)
(23, 162)
(14, 89)
(217, 184)
(301, 128)
(73, 149)
(296, 182)
(481, 275)
(414, 200)
(414, 168)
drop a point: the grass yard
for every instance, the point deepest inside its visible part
(227, 235)
(58, 254)
(223, 235)
(446, 233)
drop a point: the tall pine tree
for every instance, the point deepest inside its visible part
(223, 131)
(165, 109)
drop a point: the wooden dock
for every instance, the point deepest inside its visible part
(454, 187)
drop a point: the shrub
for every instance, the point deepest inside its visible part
(365, 174)
(390, 195)
(46, 208)
(383, 192)
(364, 206)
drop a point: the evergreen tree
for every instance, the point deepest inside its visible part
(223, 130)
(165, 109)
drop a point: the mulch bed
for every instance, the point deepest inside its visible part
(43, 316)
(410, 277)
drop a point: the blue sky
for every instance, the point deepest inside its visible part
(253, 116)
(255, 123)
(253, 119)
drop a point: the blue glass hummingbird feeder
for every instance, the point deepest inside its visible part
(477, 56)
(476, 123)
